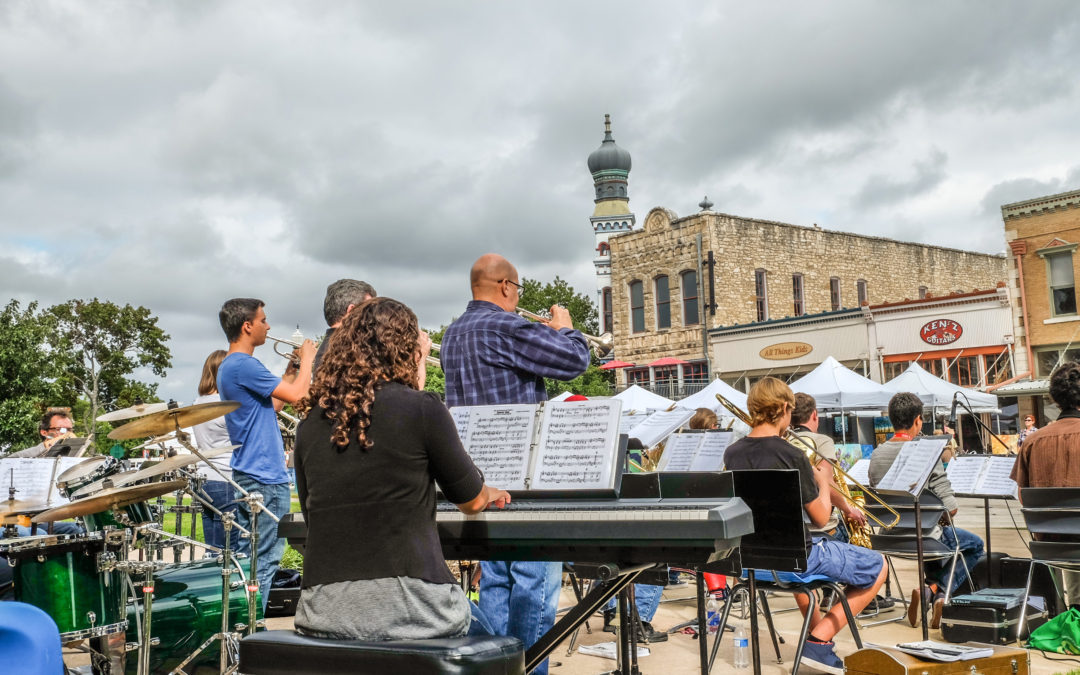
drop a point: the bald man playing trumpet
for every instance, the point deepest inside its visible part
(492, 356)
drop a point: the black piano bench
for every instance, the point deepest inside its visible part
(285, 652)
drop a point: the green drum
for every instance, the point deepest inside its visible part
(187, 611)
(59, 574)
(133, 514)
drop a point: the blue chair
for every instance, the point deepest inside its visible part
(29, 641)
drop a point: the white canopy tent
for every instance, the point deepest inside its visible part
(836, 387)
(706, 398)
(636, 398)
(937, 394)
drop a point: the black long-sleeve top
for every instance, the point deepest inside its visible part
(370, 514)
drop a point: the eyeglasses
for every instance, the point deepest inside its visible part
(64, 429)
(520, 288)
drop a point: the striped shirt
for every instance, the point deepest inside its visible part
(491, 356)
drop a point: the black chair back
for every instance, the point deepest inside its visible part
(775, 498)
(1052, 516)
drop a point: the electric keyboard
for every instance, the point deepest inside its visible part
(622, 531)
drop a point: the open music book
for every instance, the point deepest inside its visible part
(556, 445)
(659, 425)
(34, 478)
(695, 450)
(912, 466)
(982, 476)
(944, 651)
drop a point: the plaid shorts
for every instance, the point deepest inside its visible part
(852, 565)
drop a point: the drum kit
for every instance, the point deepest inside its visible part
(104, 599)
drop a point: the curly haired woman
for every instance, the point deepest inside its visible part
(369, 451)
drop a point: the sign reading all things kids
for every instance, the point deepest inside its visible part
(785, 350)
(941, 332)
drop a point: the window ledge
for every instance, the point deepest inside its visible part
(1062, 319)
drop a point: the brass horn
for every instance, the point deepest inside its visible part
(603, 343)
(841, 479)
(291, 343)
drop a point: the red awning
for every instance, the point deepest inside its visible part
(668, 361)
(613, 364)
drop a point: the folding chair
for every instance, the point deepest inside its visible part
(901, 541)
(1053, 518)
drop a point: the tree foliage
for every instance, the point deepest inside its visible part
(99, 345)
(539, 299)
(28, 374)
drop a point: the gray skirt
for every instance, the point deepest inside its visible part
(394, 608)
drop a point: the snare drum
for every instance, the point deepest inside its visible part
(60, 575)
(84, 473)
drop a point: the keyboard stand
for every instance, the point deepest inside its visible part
(613, 579)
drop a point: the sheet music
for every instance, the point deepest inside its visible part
(578, 447)
(912, 466)
(499, 439)
(964, 472)
(660, 425)
(629, 419)
(997, 481)
(860, 471)
(710, 454)
(33, 479)
(679, 451)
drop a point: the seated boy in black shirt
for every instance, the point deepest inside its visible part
(770, 403)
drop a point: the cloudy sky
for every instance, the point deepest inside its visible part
(174, 155)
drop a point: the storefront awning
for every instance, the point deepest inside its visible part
(1025, 388)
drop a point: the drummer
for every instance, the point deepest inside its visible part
(55, 424)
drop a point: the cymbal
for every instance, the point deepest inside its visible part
(166, 465)
(112, 498)
(15, 507)
(161, 423)
(137, 410)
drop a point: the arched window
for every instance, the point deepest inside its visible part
(663, 302)
(637, 307)
(689, 298)
(864, 292)
(603, 248)
(797, 294)
(605, 301)
(834, 292)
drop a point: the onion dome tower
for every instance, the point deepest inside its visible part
(610, 168)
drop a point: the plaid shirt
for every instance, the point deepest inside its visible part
(491, 356)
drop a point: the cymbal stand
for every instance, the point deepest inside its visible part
(229, 639)
(255, 505)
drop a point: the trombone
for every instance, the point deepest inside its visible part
(602, 343)
(841, 478)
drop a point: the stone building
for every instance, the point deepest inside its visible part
(756, 271)
(1043, 234)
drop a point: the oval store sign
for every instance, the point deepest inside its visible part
(786, 350)
(941, 332)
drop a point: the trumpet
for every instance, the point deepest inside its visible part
(602, 343)
(291, 343)
(858, 535)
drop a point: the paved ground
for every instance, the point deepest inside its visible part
(680, 653)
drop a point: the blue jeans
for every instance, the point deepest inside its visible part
(971, 550)
(479, 624)
(221, 498)
(276, 499)
(520, 599)
(647, 598)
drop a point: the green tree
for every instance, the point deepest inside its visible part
(436, 379)
(28, 374)
(99, 345)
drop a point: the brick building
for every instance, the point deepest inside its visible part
(1043, 234)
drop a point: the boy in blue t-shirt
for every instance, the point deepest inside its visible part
(258, 465)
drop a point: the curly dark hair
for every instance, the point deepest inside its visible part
(1065, 386)
(378, 342)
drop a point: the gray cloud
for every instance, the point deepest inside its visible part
(175, 155)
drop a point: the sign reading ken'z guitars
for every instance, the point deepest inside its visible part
(941, 332)
(785, 350)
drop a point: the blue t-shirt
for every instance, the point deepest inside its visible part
(253, 426)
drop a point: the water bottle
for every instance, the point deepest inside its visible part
(712, 614)
(742, 648)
